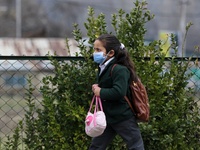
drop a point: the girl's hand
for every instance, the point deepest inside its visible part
(94, 86)
(96, 89)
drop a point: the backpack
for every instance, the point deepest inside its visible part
(139, 102)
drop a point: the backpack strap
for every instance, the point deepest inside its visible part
(129, 103)
(112, 69)
(125, 97)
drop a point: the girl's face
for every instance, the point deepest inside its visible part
(98, 47)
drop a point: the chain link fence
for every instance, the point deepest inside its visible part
(14, 72)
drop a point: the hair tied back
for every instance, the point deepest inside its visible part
(122, 46)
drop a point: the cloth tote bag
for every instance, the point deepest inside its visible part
(95, 123)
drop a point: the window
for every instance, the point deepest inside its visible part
(15, 80)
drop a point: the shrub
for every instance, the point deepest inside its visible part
(174, 121)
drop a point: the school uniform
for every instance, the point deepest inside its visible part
(120, 119)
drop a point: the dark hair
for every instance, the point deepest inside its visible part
(110, 42)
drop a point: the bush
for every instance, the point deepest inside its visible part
(174, 121)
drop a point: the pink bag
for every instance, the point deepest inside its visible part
(95, 123)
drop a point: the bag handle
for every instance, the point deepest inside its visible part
(98, 103)
(91, 104)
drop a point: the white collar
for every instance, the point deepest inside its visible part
(102, 67)
(107, 62)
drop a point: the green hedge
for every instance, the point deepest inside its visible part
(174, 119)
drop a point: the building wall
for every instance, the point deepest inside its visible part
(52, 18)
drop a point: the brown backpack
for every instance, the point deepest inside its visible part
(139, 102)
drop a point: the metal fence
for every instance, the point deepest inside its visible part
(14, 71)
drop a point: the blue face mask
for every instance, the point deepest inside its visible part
(99, 57)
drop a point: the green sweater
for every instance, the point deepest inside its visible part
(113, 89)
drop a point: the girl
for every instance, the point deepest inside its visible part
(112, 89)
